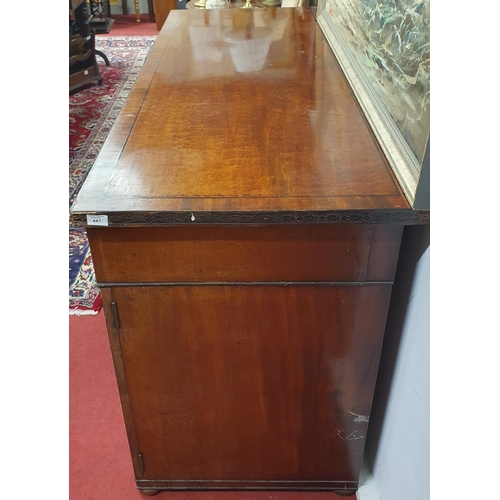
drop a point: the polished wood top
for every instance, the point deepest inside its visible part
(241, 115)
(254, 4)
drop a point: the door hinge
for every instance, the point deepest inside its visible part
(140, 461)
(114, 313)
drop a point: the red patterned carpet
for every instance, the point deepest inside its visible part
(92, 112)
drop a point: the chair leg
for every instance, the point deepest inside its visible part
(124, 7)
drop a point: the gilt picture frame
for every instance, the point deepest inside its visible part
(383, 48)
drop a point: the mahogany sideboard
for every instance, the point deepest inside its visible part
(245, 230)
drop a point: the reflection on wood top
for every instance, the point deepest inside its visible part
(240, 111)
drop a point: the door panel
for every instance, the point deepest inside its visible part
(250, 382)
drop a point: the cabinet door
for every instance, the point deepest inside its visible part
(247, 383)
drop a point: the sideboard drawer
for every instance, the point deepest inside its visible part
(333, 252)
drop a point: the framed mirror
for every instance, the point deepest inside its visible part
(383, 48)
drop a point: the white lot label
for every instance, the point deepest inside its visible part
(97, 220)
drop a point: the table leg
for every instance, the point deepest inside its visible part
(151, 11)
(137, 15)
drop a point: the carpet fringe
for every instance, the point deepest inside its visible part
(82, 312)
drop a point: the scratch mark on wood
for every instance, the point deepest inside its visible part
(350, 437)
(360, 418)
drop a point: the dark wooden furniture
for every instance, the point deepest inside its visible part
(161, 9)
(245, 231)
(77, 15)
(100, 11)
(83, 67)
(151, 11)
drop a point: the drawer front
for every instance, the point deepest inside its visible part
(311, 253)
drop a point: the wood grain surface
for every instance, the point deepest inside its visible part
(162, 9)
(200, 133)
(321, 252)
(247, 280)
(249, 384)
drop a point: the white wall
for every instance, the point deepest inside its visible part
(397, 449)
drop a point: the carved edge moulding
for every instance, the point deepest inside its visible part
(411, 173)
(116, 219)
